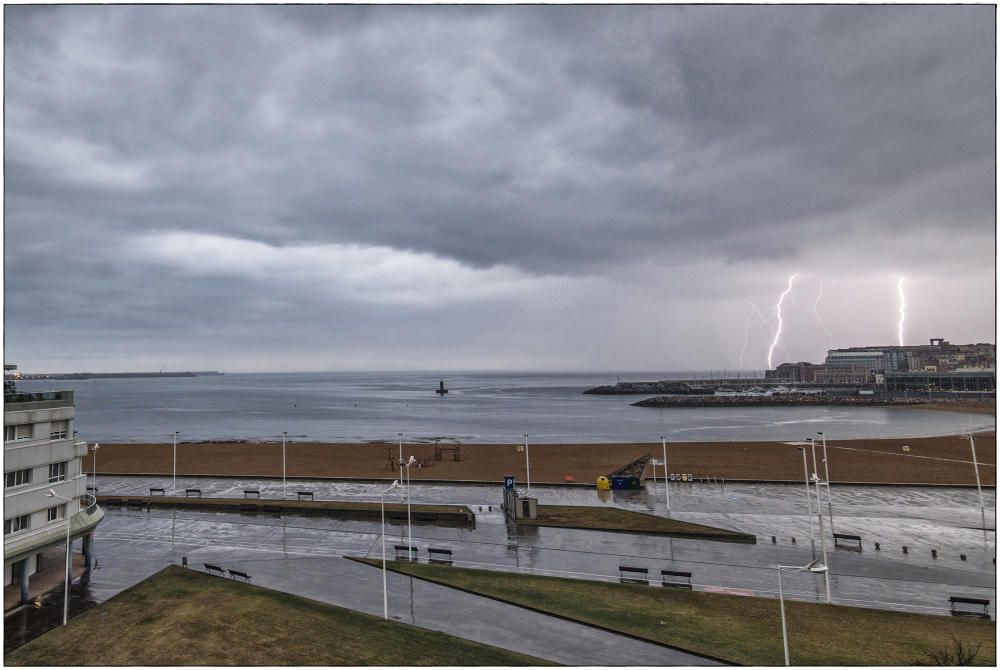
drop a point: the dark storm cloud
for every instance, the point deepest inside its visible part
(510, 144)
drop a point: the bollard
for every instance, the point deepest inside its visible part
(962, 556)
(905, 550)
(933, 553)
(878, 547)
(774, 540)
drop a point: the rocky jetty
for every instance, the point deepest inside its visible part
(777, 400)
(645, 388)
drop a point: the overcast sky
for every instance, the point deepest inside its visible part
(525, 188)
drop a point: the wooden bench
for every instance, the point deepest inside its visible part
(248, 493)
(405, 553)
(233, 574)
(192, 492)
(960, 600)
(852, 542)
(306, 495)
(157, 492)
(214, 569)
(627, 575)
(678, 581)
(439, 556)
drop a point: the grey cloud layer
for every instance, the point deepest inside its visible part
(587, 142)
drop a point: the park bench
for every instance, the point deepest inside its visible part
(213, 569)
(233, 574)
(254, 493)
(961, 600)
(405, 553)
(157, 492)
(677, 581)
(192, 492)
(627, 575)
(439, 556)
(306, 495)
(93, 488)
(852, 542)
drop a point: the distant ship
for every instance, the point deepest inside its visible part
(441, 390)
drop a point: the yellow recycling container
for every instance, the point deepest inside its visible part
(603, 484)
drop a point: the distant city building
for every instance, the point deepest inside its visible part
(938, 356)
(795, 372)
(839, 374)
(40, 453)
(968, 380)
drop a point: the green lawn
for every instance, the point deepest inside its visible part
(743, 630)
(184, 617)
(616, 519)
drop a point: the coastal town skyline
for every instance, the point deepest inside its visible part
(265, 188)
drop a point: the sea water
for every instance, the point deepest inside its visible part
(479, 407)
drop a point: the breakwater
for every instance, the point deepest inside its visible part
(775, 401)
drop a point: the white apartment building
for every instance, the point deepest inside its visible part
(40, 453)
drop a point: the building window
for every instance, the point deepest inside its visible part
(57, 430)
(57, 472)
(17, 478)
(16, 524)
(56, 513)
(18, 432)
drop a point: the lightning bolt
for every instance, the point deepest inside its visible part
(902, 309)
(819, 318)
(777, 312)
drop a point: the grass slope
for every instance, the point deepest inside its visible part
(739, 629)
(183, 617)
(616, 519)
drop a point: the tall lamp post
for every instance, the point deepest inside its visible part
(829, 492)
(409, 522)
(385, 580)
(97, 446)
(805, 470)
(666, 477)
(822, 534)
(815, 567)
(69, 554)
(400, 456)
(975, 464)
(527, 462)
(175, 462)
(284, 437)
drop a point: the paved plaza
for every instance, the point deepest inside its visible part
(304, 554)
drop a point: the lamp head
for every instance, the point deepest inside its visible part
(50, 494)
(816, 567)
(412, 461)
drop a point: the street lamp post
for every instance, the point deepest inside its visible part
(284, 437)
(69, 554)
(527, 461)
(805, 470)
(975, 464)
(97, 446)
(815, 567)
(822, 534)
(409, 522)
(829, 492)
(400, 457)
(175, 462)
(666, 477)
(385, 579)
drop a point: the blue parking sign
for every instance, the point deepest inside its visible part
(508, 481)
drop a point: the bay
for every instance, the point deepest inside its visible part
(480, 407)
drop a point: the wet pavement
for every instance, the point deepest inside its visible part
(302, 554)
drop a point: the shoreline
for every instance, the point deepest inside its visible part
(939, 460)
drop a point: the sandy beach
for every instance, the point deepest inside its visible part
(869, 461)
